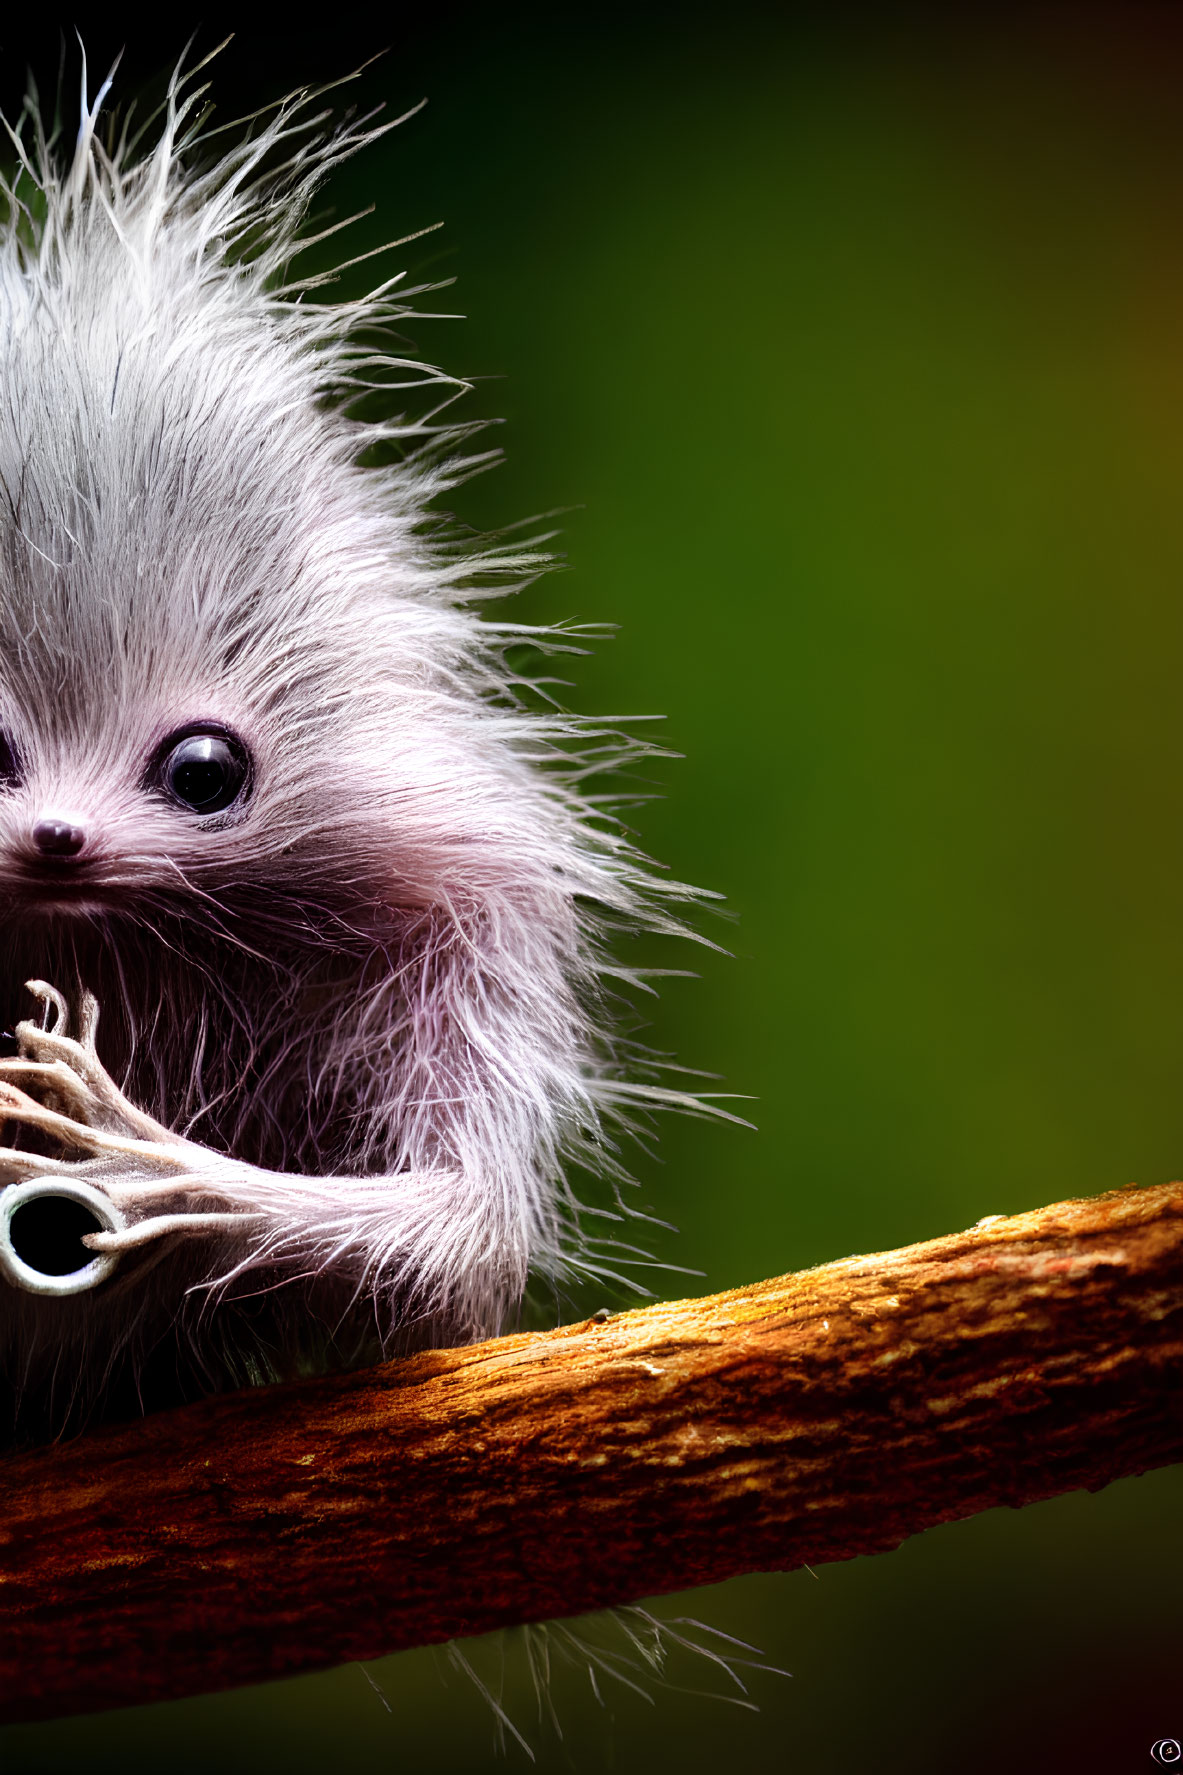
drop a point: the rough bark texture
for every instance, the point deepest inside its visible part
(809, 1418)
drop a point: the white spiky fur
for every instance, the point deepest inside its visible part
(377, 1000)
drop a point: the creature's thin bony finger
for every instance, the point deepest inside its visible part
(48, 1042)
(15, 1106)
(137, 1190)
(50, 1070)
(89, 1021)
(16, 1166)
(50, 999)
(185, 1225)
(52, 1074)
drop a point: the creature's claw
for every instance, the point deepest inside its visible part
(158, 1185)
(55, 1011)
(90, 1093)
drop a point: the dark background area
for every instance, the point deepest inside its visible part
(852, 345)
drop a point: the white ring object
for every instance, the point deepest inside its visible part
(14, 1269)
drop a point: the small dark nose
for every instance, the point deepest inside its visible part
(58, 838)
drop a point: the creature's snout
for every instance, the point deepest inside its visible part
(58, 839)
(42, 1226)
(50, 845)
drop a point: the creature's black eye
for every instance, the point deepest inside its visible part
(8, 766)
(206, 772)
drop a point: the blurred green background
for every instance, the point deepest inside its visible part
(856, 342)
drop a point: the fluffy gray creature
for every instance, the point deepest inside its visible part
(272, 799)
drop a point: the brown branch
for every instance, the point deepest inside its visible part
(806, 1419)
